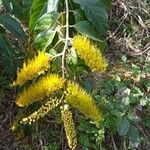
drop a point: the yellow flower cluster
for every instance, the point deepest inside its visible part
(81, 100)
(89, 53)
(33, 67)
(39, 90)
(43, 110)
(66, 116)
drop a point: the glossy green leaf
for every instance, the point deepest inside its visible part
(44, 39)
(47, 21)
(96, 13)
(36, 9)
(13, 26)
(123, 127)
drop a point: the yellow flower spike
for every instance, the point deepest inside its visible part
(41, 112)
(31, 69)
(66, 116)
(89, 53)
(81, 100)
(39, 90)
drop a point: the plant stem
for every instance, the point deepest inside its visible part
(67, 39)
(113, 142)
(57, 55)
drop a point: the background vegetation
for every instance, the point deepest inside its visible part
(121, 93)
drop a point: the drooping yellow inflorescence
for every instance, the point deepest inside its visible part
(32, 68)
(41, 112)
(66, 116)
(81, 100)
(39, 90)
(89, 53)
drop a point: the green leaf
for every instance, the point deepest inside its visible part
(146, 122)
(86, 28)
(96, 13)
(52, 52)
(13, 26)
(47, 21)
(84, 140)
(88, 85)
(17, 9)
(72, 56)
(134, 136)
(8, 5)
(35, 11)
(79, 15)
(2, 30)
(7, 56)
(14, 8)
(26, 5)
(44, 39)
(123, 127)
(52, 5)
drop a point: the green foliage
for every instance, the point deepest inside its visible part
(134, 136)
(85, 27)
(29, 26)
(96, 13)
(44, 39)
(35, 12)
(48, 20)
(12, 34)
(52, 5)
(123, 127)
(19, 9)
(7, 56)
(46, 23)
(89, 136)
(13, 26)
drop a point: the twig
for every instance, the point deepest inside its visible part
(113, 142)
(57, 55)
(67, 39)
(123, 19)
(38, 136)
(64, 51)
(144, 134)
(124, 144)
(140, 53)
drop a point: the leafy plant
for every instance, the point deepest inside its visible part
(45, 79)
(53, 51)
